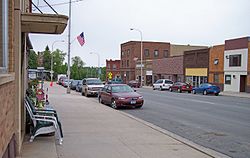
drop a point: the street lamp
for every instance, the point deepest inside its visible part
(134, 29)
(51, 65)
(69, 34)
(98, 62)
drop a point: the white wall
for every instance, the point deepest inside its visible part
(237, 71)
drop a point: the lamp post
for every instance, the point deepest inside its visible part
(98, 62)
(69, 33)
(134, 29)
(51, 65)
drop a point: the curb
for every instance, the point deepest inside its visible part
(207, 151)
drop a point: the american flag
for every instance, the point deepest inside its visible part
(81, 39)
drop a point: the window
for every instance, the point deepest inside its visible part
(146, 53)
(165, 52)
(114, 66)
(235, 60)
(216, 78)
(109, 66)
(216, 61)
(156, 53)
(128, 52)
(4, 36)
(127, 63)
(122, 54)
(227, 79)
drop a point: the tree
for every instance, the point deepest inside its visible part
(77, 68)
(32, 61)
(47, 58)
(58, 59)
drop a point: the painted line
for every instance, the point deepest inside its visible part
(207, 151)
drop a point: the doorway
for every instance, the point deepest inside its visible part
(243, 83)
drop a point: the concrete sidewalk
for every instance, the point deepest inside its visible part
(93, 130)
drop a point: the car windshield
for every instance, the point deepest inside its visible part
(122, 89)
(94, 82)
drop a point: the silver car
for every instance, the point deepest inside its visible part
(91, 86)
(162, 84)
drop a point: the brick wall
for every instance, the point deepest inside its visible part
(177, 50)
(110, 68)
(196, 58)
(248, 76)
(173, 65)
(6, 114)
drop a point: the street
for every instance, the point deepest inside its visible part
(218, 122)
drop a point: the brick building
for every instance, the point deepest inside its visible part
(169, 68)
(216, 66)
(113, 67)
(196, 63)
(131, 57)
(14, 50)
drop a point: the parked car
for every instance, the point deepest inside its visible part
(207, 88)
(115, 81)
(162, 84)
(134, 84)
(120, 95)
(79, 86)
(180, 87)
(91, 86)
(66, 82)
(61, 79)
(73, 84)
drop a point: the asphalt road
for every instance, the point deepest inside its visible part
(218, 122)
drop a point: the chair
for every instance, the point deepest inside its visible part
(44, 121)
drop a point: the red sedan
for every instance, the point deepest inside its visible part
(120, 95)
(134, 84)
(180, 87)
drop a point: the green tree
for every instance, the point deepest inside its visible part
(32, 61)
(77, 68)
(58, 59)
(47, 58)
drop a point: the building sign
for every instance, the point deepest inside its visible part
(149, 72)
(139, 65)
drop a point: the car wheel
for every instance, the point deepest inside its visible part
(216, 94)
(170, 89)
(100, 100)
(86, 93)
(82, 93)
(113, 104)
(153, 88)
(204, 92)
(179, 90)
(189, 91)
(193, 91)
(138, 107)
(160, 88)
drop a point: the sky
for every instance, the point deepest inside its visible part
(106, 24)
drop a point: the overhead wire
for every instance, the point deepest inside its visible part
(63, 3)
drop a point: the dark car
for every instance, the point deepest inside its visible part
(181, 87)
(115, 81)
(120, 95)
(61, 79)
(74, 83)
(79, 86)
(206, 88)
(134, 84)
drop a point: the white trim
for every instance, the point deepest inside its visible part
(4, 68)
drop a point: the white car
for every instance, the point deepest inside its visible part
(91, 86)
(162, 84)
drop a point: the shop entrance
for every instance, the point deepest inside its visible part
(243, 83)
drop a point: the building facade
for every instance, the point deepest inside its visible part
(236, 65)
(196, 63)
(169, 68)
(178, 50)
(112, 69)
(131, 59)
(17, 21)
(216, 66)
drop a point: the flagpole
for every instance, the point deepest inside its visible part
(69, 31)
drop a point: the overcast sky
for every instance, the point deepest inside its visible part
(106, 24)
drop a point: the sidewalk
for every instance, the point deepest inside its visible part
(93, 130)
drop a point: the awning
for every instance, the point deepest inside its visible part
(43, 23)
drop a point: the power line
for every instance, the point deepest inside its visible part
(57, 4)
